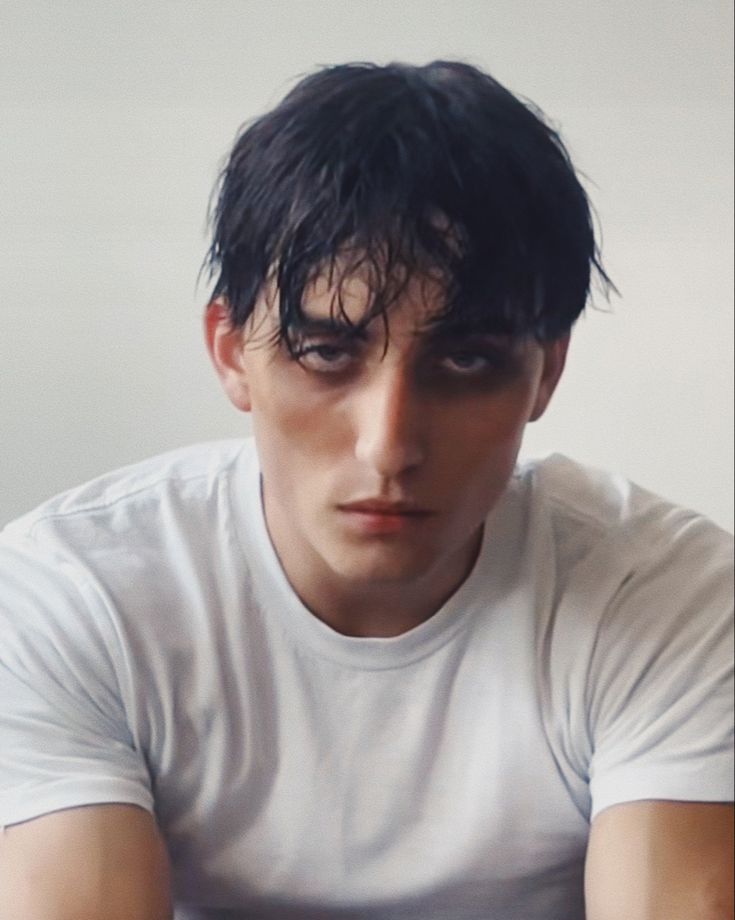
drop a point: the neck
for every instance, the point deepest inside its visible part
(381, 612)
(364, 607)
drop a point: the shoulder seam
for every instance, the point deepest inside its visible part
(103, 505)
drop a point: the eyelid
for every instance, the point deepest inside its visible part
(482, 363)
(311, 344)
(490, 352)
(309, 355)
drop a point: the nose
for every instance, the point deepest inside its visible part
(390, 422)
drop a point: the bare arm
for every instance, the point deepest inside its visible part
(99, 862)
(661, 861)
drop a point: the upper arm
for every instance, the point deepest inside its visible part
(101, 862)
(71, 731)
(661, 860)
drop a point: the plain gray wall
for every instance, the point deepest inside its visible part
(115, 118)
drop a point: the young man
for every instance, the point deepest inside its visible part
(365, 666)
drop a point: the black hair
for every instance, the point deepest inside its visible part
(399, 170)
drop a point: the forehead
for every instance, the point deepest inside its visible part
(358, 297)
(411, 303)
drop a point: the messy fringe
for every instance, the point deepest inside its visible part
(397, 172)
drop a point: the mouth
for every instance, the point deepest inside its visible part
(379, 506)
(381, 517)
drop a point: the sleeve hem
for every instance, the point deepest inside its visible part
(36, 804)
(628, 786)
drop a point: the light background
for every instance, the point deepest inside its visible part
(114, 120)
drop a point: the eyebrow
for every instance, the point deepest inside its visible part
(433, 333)
(438, 335)
(328, 326)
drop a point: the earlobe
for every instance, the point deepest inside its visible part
(226, 346)
(555, 356)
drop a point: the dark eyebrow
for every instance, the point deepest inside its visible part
(459, 328)
(435, 334)
(329, 326)
(453, 336)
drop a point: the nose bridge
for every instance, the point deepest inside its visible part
(390, 420)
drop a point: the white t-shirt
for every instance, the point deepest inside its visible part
(152, 652)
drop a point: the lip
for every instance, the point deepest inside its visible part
(376, 517)
(389, 509)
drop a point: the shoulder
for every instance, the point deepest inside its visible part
(636, 642)
(605, 520)
(630, 570)
(123, 540)
(109, 585)
(133, 504)
(202, 464)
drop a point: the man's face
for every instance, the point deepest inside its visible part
(381, 454)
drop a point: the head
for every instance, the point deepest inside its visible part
(400, 254)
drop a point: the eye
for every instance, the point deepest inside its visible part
(468, 362)
(324, 358)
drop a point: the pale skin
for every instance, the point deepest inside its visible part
(411, 417)
(378, 426)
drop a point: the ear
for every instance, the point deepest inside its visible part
(554, 356)
(226, 346)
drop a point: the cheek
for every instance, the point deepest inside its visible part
(293, 420)
(475, 454)
(482, 465)
(489, 430)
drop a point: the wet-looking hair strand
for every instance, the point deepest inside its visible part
(396, 171)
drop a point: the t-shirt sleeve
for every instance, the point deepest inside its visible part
(64, 735)
(660, 685)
